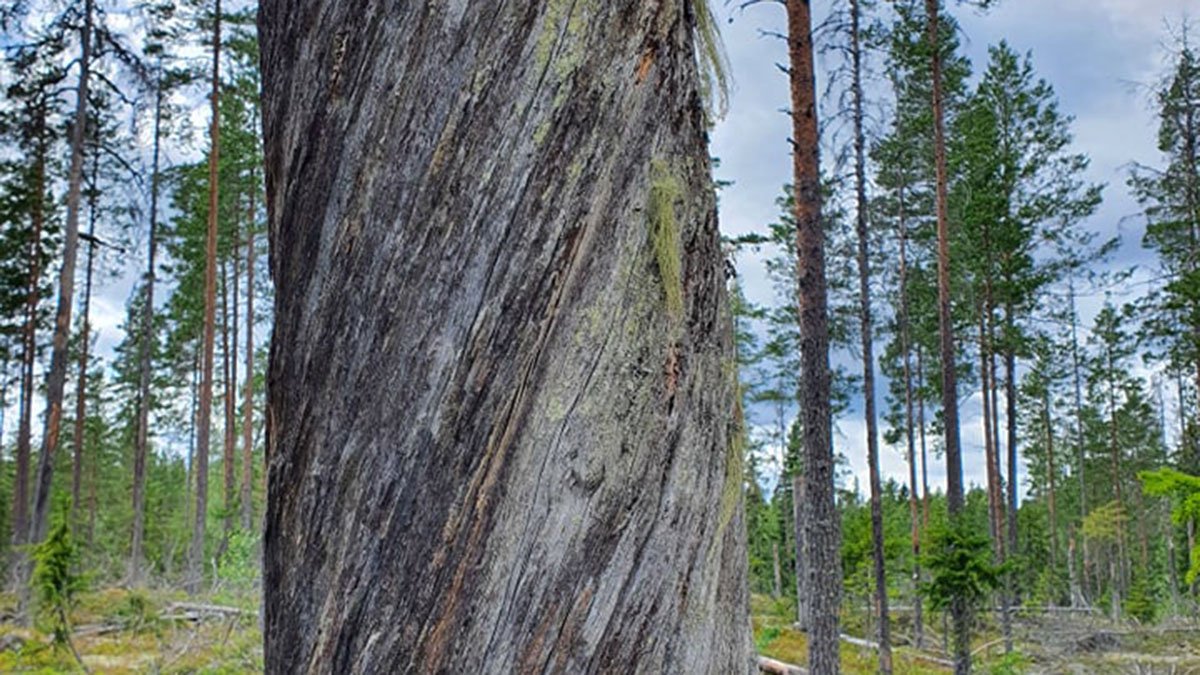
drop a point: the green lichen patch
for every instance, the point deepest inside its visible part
(665, 192)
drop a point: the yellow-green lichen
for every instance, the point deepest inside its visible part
(566, 58)
(665, 191)
(711, 59)
(731, 491)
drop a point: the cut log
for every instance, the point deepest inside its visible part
(768, 665)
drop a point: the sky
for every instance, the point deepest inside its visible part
(1101, 56)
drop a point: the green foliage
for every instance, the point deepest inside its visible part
(1105, 523)
(1142, 602)
(765, 637)
(1184, 491)
(960, 566)
(56, 579)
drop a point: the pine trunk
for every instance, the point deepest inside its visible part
(146, 350)
(248, 400)
(501, 429)
(822, 525)
(1051, 478)
(866, 332)
(914, 490)
(803, 613)
(56, 379)
(20, 507)
(80, 426)
(954, 475)
(1010, 422)
(195, 562)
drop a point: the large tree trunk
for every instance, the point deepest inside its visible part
(866, 332)
(501, 391)
(146, 347)
(195, 560)
(954, 475)
(56, 379)
(822, 524)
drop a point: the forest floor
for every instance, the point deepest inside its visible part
(119, 631)
(1043, 644)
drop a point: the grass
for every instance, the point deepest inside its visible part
(145, 640)
(775, 637)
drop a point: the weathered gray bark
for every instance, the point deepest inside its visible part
(501, 386)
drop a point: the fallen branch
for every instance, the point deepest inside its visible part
(94, 630)
(774, 667)
(914, 655)
(207, 610)
(984, 648)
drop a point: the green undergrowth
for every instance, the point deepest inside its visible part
(122, 631)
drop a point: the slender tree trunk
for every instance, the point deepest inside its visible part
(195, 563)
(954, 476)
(1114, 450)
(823, 529)
(777, 588)
(803, 595)
(1077, 599)
(1191, 539)
(1051, 477)
(924, 444)
(229, 457)
(248, 400)
(57, 377)
(1081, 452)
(80, 426)
(866, 332)
(193, 417)
(909, 435)
(145, 356)
(494, 253)
(232, 328)
(989, 447)
(1168, 534)
(1010, 422)
(20, 508)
